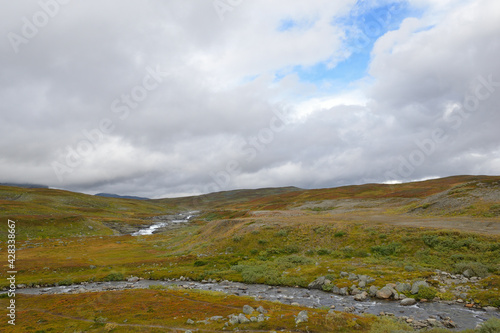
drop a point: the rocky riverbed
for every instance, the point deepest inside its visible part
(419, 315)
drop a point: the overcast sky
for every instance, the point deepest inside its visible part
(170, 98)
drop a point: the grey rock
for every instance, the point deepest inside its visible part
(362, 284)
(372, 291)
(247, 309)
(242, 319)
(216, 318)
(336, 290)
(361, 297)
(344, 274)
(253, 319)
(260, 318)
(233, 320)
(408, 301)
(352, 277)
(468, 273)
(190, 322)
(260, 309)
(403, 287)
(416, 286)
(318, 283)
(384, 293)
(343, 291)
(301, 317)
(355, 291)
(490, 308)
(133, 279)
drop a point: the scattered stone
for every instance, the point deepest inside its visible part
(372, 291)
(468, 273)
(361, 297)
(355, 291)
(318, 283)
(260, 309)
(362, 284)
(216, 318)
(332, 307)
(190, 322)
(295, 304)
(260, 318)
(343, 291)
(403, 287)
(133, 279)
(384, 293)
(490, 308)
(301, 317)
(242, 319)
(344, 274)
(247, 309)
(233, 320)
(416, 286)
(408, 302)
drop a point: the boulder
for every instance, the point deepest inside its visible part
(362, 284)
(372, 291)
(318, 283)
(468, 273)
(336, 290)
(190, 322)
(260, 309)
(408, 301)
(247, 309)
(416, 286)
(343, 291)
(403, 287)
(301, 317)
(355, 291)
(242, 319)
(361, 297)
(384, 293)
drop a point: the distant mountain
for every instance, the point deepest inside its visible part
(110, 195)
(24, 185)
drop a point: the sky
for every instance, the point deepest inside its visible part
(173, 98)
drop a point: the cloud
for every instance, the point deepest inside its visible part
(230, 109)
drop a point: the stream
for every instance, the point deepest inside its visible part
(462, 316)
(165, 222)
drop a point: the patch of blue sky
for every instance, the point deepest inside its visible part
(363, 26)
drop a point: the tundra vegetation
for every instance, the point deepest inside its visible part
(281, 236)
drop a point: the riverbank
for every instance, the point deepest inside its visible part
(446, 314)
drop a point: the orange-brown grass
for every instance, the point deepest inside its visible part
(164, 310)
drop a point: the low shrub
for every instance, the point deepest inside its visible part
(492, 325)
(426, 293)
(477, 268)
(114, 277)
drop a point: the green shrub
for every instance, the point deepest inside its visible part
(290, 249)
(490, 326)
(114, 277)
(426, 293)
(323, 252)
(340, 234)
(282, 233)
(386, 250)
(477, 268)
(310, 252)
(199, 263)
(66, 282)
(262, 241)
(237, 238)
(254, 251)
